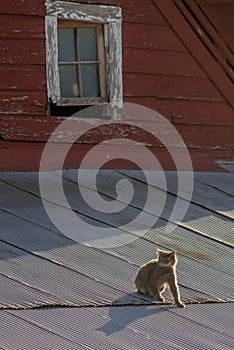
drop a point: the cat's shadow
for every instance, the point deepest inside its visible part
(121, 315)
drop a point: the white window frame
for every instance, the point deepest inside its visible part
(111, 19)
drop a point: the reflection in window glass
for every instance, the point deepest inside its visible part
(68, 81)
(78, 59)
(90, 80)
(66, 45)
(87, 44)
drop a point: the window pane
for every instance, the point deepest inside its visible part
(66, 45)
(90, 80)
(87, 44)
(68, 81)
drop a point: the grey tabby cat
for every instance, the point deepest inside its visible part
(153, 277)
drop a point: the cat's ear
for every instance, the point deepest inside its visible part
(173, 253)
(159, 252)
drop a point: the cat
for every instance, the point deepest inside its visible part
(153, 277)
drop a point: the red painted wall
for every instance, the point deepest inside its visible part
(159, 71)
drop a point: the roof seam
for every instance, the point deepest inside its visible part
(112, 304)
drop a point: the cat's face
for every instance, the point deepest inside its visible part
(166, 258)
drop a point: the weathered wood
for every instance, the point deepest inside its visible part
(139, 11)
(20, 7)
(161, 62)
(152, 37)
(21, 129)
(159, 72)
(27, 128)
(52, 69)
(53, 269)
(213, 2)
(207, 137)
(103, 2)
(22, 103)
(23, 51)
(21, 77)
(203, 113)
(223, 156)
(164, 107)
(181, 112)
(169, 87)
(111, 19)
(222, 17)
(19, 156)
(192, 35)
(188, 112)
(21, 27)
(73, 11)
(219, 40)
(113, 45)
(197, 137)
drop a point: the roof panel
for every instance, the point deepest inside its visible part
(205, 219)
(203, 269)
(39, 266)
(220, 181)
(17, 333)
(55, 283)
(147, 327)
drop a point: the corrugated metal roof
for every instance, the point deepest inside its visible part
(140, 327)
(39, 266)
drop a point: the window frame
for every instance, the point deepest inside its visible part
(110, 17)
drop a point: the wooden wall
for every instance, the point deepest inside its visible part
(159, 71)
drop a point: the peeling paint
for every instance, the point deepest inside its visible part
(82, 12)
(111, 19)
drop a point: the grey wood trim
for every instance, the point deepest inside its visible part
(113, 45)
(52, 70)
(83, 12)
(111, 18)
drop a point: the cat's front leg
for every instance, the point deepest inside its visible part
(175, 292)
(158, 297)
(156, 294)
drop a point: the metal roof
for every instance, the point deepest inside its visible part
(68, 295)
(206, 326)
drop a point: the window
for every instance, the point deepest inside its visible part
(81, 62)
(84, 56)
